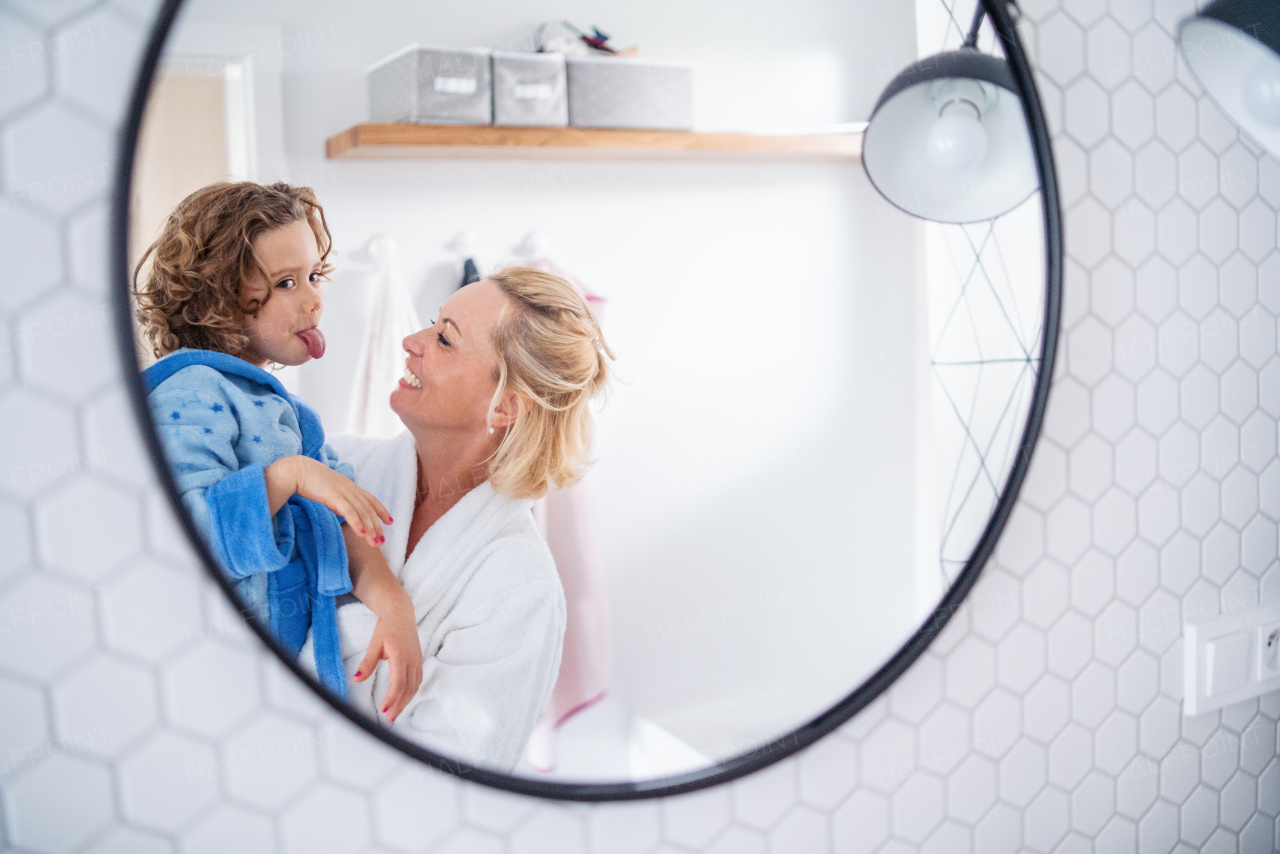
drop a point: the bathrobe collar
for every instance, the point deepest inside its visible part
(462, 529)
(308, 420)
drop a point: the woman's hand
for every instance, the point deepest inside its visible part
(395, 638)
(313, 479)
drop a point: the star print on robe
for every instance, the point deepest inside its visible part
(287, 567)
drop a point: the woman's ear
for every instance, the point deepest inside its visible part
(507, 411)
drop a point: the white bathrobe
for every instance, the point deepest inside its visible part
(490, 610)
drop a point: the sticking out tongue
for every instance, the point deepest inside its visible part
(314, 339)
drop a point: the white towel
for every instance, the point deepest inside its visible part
(490, 610)
(381, 359)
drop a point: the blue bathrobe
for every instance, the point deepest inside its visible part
(222, 421)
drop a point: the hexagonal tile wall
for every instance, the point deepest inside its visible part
(1046, 717)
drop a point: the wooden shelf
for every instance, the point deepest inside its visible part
(431, 142)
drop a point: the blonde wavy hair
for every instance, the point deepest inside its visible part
(193, 292)
(552, 354)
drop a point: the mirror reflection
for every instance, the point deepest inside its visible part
(564, 394)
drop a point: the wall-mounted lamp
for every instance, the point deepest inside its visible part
(948, 140)
(1233, 49)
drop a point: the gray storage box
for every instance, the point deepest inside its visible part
(613, 92)
(529, 89)
(433, 85)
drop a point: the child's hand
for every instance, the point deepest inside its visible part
(395, 638)
(315, 480)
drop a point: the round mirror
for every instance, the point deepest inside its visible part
(568, 386)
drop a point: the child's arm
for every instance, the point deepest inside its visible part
(395, 637)
(198, 427)
(312, 479)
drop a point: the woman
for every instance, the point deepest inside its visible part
(496, 397)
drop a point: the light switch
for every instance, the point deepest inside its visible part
(1227, 663)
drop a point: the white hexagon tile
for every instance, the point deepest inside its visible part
(1047, 716)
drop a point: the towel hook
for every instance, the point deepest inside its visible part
(464, 244)
(536, 244)
(382, 249)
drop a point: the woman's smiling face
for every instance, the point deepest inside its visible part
(295, 285)
(450, 369)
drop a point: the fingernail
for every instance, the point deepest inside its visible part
(390, 520)
(384, 708)
(381, 539)
(362, 530)
(357, 673)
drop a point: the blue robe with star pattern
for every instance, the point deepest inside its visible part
(221, 421)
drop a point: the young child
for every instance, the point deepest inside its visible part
(234, 284)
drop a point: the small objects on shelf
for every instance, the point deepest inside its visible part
(563, 37)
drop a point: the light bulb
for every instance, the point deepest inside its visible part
(956, 143)
(1262, 92)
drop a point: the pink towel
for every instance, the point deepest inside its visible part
(566, 518)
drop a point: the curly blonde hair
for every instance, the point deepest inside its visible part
(193, 292)
(552, 353)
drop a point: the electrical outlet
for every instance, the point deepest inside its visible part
(1267, 651)
(1230, 658)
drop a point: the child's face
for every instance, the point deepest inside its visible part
(290, 256)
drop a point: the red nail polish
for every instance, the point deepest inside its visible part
(390, 520)
(384, 708)
(357, 673)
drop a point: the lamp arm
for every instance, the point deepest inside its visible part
(971, 40)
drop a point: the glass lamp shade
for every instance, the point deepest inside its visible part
(934, 153)
(1233, 49)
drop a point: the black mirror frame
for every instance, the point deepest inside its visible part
(1003, 15)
